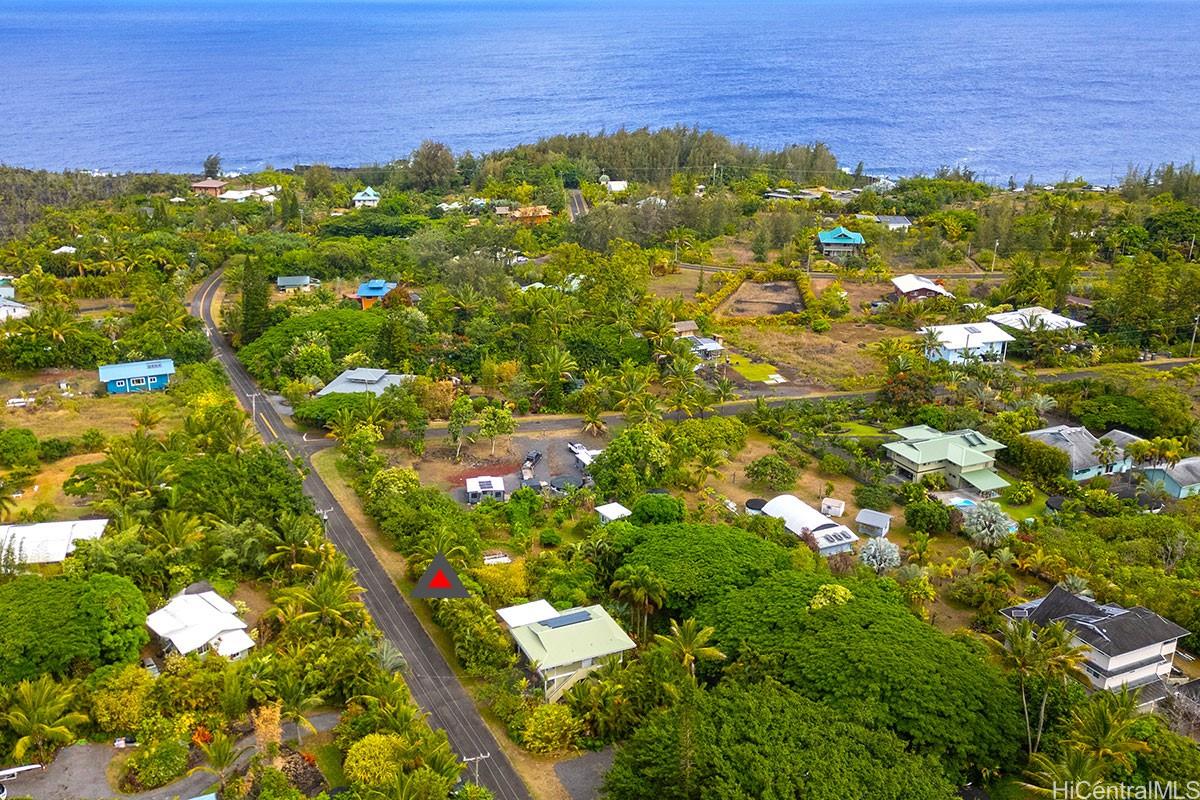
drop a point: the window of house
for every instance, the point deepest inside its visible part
(121, 383)
(137, 381)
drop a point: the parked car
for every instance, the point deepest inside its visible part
(533, 458)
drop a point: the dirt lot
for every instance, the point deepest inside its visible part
(834, 360)
(762, 299)
(681, 284)
(859, 293)
(729, 250)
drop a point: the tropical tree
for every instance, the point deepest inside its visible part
(880, 555)
(1106, 452)
(1047, 654)
(39, 715)
(987, 525)
(637, 585)
(1104, 728)
(295, 701)
(1046, 776)
(221, 756)
(494, 422)
(593, 422)
(689, 643)
(331, 602)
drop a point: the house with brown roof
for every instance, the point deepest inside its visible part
(211, 187)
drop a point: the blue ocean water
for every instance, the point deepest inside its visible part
(1006, 87)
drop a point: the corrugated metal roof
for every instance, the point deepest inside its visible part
(137, 369)
(840, 235)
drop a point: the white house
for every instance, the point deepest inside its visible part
(364, 379)
(527, 613)
(11, 309)
(1131, 647)
(611, 512)
(616, 186)
(485, 487)
(961, 343)
(1034, 318)
(801, 519)
(264, 193)
(565, 648)
(893, 222)
(48, 542)
(367, 198)
(200, 622)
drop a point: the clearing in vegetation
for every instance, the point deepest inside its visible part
(763, 299)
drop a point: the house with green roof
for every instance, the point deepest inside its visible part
(564, 649)
(367, 198)
(840, 243)
(966, 458)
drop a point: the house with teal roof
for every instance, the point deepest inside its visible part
(367, 198)
(966, 458)
(840, 243)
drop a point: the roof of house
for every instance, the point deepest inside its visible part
(48, 542)
(191, 621)
(527, 613)
(576, 634)
(840, 235)
(914, 283)
(1185, 473)
(922, 444)
(485, 483)
(1111, 629)
(892, 219)
(959, 337)
(984, 480)
(292, 281)
(363, 379)
(876, 519)
(801, 518)
(1076, 441)
(1122, 439)
(137, 369)
(702, 344)
(612, 511)
(1034, 318)
(684, 326)
(8, 302)
(376, 287)
(367, 194)
(209, 183)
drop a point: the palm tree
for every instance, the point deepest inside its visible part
(689, 643)
(342, 423)
(1047, 776)
(642, 589)
(557, 365)
(919, 546)
(221, 756)
(331, 601)
(295, 543)
(39, 715)
(593, 422)
(1041, 404)
(295, 701)
(708, 465)
(1103, 728)
(1106, 452)
(147, 417)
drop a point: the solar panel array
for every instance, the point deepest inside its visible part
(567, 619)
(485, 485)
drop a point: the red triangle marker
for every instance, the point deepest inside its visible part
(439, 581)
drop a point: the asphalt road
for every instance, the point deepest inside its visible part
(576, 205)
(434, 686)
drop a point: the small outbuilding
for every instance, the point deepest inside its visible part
(611, 512)
(48, 542)
(754, 506)
(485, 487)
(295, 283)
(873, 523)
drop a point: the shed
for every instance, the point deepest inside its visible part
(295, 283)
(611, 512)
(367, 198)
(137, 376)
(485, 487)
(873, 523)
(48, 542)
(833, 507)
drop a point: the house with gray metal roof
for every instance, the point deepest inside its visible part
(1180, 480)
(1084, 451)
(363, 379)
(966, 458)
(295, 283)
(564, 649)
(1126, 647)
(874, 524)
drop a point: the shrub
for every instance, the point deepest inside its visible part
(158, 763)
(772, 472)
(91, 441)
(657, 509)
(549, 538)
(54, 449)
(987, 525)
(1101, 503)
(1020, 493)
(551, 728)
(929, 516)
(373, 759)
(873, 496)
(832, 464)
(17, 446)
(790, 452)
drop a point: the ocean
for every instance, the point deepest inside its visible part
(1004, 87)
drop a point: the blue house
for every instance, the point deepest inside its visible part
(840, 243)
(137, 376)
(1180, 480)
(373, 291)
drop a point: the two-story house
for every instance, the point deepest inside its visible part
(956, 344)
(966, 458)
(1126, 647)
(840, 243)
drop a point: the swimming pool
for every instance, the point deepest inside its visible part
(961, 502)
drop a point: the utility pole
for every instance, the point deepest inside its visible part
(1195, 325)
(253, 406)
(995, 252)
(474, 762)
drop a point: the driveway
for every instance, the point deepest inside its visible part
(80, 772)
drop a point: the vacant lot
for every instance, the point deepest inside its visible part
(762, 299)
(46, 487)
(681, 284)
(834, 360)
(68, 417)
(857, 293)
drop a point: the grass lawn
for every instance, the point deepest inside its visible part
(329, 761)
(1036, 508)
(860, 429)
(112, 415)
(751, 371)
(49, 484)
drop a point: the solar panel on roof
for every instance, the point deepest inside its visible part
(972, 329)
(485, 485)
(567, 619)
